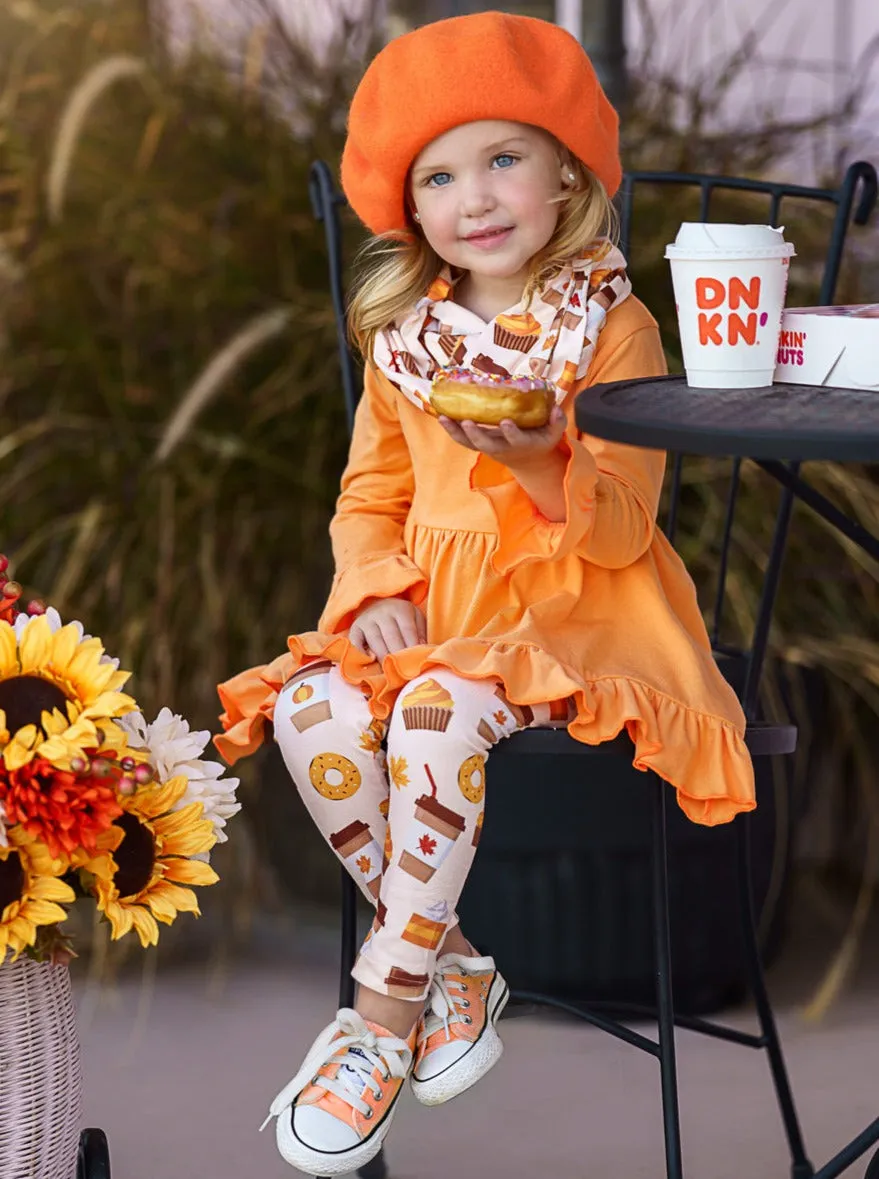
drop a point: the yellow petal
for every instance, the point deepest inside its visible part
(65, 642)
(44, 912)
(190, 843)
(186, 819)
(8, 652)
(190, 872)
(121, 920)
(145, 926)
(153, 801)
(35, 646)
(24, 930)
(51, 888)
(118, 680)
(183, 899)
(20, 749)
(53, 722)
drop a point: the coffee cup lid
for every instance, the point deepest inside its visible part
(697, 239)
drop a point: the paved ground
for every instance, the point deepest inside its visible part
(180, 1071)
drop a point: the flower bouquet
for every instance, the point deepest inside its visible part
(94, 803)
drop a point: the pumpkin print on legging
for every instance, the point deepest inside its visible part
(430, 839)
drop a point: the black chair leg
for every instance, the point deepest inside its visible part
(664, 997)
(349, 940)
(801, 1168)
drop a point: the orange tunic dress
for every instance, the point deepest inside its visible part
(598, 608)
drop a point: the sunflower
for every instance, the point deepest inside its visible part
(153, 861)
(31, 891)
(56, 685)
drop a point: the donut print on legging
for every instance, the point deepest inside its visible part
(408, 840)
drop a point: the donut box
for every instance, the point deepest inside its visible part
(833, 346)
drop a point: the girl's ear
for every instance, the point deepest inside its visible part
(568, 175)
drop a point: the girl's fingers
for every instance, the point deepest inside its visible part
(420, 625)
(357, 638)
(376, 643)
(393, 637)
(408, 631)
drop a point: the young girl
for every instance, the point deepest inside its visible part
(488, 579)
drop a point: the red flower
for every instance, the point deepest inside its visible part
(427, 845)
(64, 810)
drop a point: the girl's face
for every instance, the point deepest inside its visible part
(483, 192)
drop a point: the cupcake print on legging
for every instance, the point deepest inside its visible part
(427, 706)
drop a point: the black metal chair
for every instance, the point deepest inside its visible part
(854, 200)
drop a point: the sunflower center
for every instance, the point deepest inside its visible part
(24, 698)
(11, 880)
(135, 855)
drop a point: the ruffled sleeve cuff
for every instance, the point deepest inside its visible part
(380, 576)
(248, 701)
(524, 533)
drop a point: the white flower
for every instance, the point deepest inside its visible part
(4, 842)
(173, 749)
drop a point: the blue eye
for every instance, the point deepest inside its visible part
(438, 180)
(505, 160)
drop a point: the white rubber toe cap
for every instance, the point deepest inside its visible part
(441, 1058)
(321, 1131)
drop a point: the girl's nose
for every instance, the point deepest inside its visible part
(477, 198)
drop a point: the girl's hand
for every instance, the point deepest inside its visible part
(510, 445)
(389, 625)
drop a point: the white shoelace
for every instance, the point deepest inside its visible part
(443, 1003)
(358, 1051)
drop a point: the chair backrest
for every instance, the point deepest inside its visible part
(854, 201)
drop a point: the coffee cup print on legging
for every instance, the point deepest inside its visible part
(431, 837)
(305, 698)
(356, 846)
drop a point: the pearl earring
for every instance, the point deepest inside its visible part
(417, 216)
(571, 177)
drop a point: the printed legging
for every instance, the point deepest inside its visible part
(405, 824)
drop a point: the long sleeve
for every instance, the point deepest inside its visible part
(611, 491)
(367, 528)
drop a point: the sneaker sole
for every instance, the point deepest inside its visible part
(457, 1078)
(325, 1165)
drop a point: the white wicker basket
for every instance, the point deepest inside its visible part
(40, 1076)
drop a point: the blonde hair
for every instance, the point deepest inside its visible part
(393, 270)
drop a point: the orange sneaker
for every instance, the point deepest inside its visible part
(335, 1113)
(457, 1038)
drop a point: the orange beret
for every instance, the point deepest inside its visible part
(491, 65)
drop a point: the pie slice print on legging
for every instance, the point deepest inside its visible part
(426, 930)
(430, 839)
(361, 853)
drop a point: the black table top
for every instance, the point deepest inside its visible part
(793, 422)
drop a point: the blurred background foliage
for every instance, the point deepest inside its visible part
(171, 420)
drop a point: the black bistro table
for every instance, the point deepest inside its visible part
(778, 428)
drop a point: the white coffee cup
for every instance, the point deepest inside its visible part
(730, 283)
